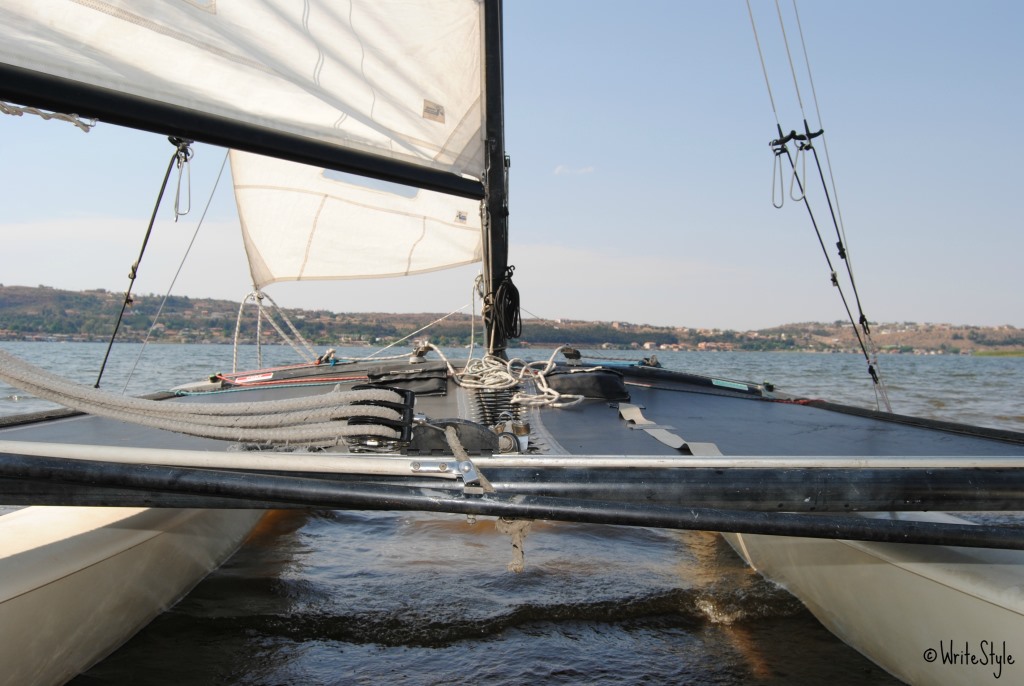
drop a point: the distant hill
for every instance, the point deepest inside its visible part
(43, 313)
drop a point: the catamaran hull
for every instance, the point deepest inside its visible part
(925, 614)
(76, 583)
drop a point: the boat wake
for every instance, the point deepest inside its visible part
(439, 623)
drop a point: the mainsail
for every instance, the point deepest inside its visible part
(386, 79)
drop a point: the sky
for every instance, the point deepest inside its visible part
(641, 177)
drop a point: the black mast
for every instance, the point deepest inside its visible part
(496, 180)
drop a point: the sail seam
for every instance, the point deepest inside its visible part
(408, 259)
(347, 201)
(142, 22)
(312, 234)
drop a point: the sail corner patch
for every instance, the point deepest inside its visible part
(433, 111)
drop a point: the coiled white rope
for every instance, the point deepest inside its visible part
(310, 420)
(493, 374)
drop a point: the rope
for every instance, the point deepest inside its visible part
(789, 55)
(266, 314)
(804, 144)
(305, 353)
(492, 373)
(506, 301)
(184, 172)
(174, 280)
(517, 529)
(310, 420)
(18, 110)
(405, 338)
(181, 152)
(451, 434)
(506, 323)
(476, 291)
(837, 219)
(298, 336)
(238, 333)
(764, 67)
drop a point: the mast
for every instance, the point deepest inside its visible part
(495, 237)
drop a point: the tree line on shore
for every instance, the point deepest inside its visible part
(53, 314)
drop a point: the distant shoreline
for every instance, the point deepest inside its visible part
(49, 314)
(1015, 353)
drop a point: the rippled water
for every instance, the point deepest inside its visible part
(367, 598)
(355, 598)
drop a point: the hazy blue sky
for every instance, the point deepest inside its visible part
(641, 173)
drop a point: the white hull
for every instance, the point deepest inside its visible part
(926, 614)
(76, 583)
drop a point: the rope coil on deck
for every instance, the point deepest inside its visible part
(494, 374)
(311, 420)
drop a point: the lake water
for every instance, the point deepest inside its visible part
(399, 598)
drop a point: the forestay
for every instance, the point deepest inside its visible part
(394, 79)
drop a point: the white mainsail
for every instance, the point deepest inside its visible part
(397, 80)
(301, 223)
(392, 78)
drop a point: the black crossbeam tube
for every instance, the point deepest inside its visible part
(292, 491)
(785, 490)
(47, 92)
(780, 490)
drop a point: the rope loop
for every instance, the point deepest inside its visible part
(777, 173)
(181, 159)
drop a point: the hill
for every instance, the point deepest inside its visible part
(43, 313)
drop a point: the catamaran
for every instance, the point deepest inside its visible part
(118, 506)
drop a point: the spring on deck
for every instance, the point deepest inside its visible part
(490, 405)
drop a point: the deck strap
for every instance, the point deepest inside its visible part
(632, 413)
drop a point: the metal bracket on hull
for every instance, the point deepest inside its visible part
(472, 481)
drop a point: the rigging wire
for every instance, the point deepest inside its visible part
(256, 297)
(870, 350)
(476, 291)
(837, 215)
(174, 279)
(419, 330)
(182, 152)
(764, 67)
(804, 143)
(824, 141)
